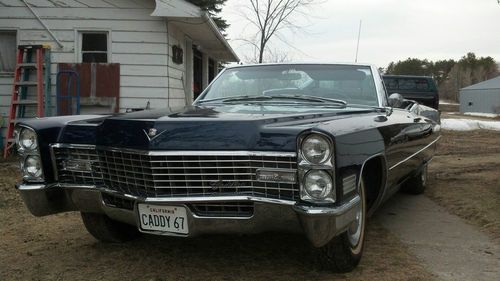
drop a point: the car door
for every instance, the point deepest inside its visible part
(403, 134)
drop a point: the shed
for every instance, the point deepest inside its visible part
(483, 97)
(166, 51)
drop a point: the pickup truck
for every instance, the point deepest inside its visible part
(421, 89)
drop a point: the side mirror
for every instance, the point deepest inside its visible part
(396, 100)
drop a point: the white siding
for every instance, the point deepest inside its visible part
(5, 94)
(139, 42)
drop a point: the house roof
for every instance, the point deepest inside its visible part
(197, 25)
(488, 84)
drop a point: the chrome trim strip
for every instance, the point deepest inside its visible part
(218, 198)
(379, 85)
(172, 200)
(179, 152)
(221, 218)
(53, 161)
(414, 154)
(69, 145)
(23, 187)
(328, 211)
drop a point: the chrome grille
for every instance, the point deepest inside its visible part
(155, 175)
(63, 155)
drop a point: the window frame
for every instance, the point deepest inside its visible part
(79, 42)
(16, 30)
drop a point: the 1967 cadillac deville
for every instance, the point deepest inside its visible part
(309, 148)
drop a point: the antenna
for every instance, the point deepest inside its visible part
(359, 36)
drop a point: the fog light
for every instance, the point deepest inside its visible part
(318, 184)
(33, 167)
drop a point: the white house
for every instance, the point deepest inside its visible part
(139, 35)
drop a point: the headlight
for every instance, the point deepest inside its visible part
(27, 139)
(27, 147)
(32, 167)
(316, 149)
(318, 184)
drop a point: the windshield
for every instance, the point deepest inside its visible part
(343, 84)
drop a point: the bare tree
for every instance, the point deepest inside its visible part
(272, 16)
(271, 56)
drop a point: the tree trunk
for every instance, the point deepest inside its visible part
(261, 49)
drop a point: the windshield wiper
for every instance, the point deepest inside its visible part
(311, 98)
(237, 98)
(248, 98)
(270, 97)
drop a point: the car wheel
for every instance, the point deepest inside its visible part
(105, 229)
(343, 253)
(416, 184)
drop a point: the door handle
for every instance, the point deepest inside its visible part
(416, 120)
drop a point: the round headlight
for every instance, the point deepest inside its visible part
(316, 149)
(318, 184)
(27, 139)
(33, 167)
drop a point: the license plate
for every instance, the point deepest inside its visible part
(163, 218)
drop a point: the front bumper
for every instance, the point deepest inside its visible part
(320, 224)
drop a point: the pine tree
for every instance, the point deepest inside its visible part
(213, 8)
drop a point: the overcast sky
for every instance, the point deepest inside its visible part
(391, 30)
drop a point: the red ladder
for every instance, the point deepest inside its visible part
(21, 96)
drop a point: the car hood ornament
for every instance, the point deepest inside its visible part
(152, 133)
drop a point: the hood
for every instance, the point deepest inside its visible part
(232, 127)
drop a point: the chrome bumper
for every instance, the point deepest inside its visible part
(320, 224)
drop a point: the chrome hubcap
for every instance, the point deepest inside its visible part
(354, 231)
(424, 175)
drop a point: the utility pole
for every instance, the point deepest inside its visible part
(359, 36)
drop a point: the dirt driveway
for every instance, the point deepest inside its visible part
(58, 248)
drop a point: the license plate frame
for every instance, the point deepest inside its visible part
(163, 218)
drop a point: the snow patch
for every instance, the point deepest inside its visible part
(489, 115)
(448, 102)
(469, 125)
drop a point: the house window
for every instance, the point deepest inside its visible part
(211, 70)
(94, 46)
(8, 45)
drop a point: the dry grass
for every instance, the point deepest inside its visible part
(59, 248)
(465, 177)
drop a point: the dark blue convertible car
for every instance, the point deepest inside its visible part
(308, 148)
